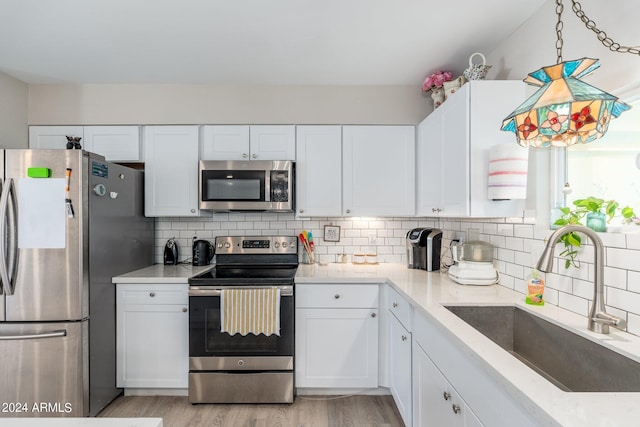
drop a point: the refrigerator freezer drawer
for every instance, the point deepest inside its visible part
(44, 370)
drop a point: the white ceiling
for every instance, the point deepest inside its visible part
(251, 42)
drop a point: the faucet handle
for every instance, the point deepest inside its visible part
(609, 320)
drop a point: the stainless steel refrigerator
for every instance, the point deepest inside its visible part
(69, 221)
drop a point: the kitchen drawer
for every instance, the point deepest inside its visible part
(152, 294)
(337, 296)
(399, 307)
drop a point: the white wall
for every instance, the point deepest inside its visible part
(13, 113)
(208, 104)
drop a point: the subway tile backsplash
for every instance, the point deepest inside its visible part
(518, 243)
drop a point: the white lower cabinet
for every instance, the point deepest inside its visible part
(436, 403)
(443, 364)
(400, 367)
(336, 336)
(152, 339)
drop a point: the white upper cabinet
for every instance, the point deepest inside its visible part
(319, 171)
(115, 143)
(273, 142)
(53, 137)
(265, 142)
(225, 143)
(171, 170)
(453, 151)
(378, 170)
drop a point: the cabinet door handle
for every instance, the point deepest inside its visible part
(455, 408)
(373, 315)
(404, 338)
(255, 156)
(193, 211)
(301, 210)
(337, 296)
(446, 395)
(185, 309)
(395, 304)
(245, 155)
(152, 294)
(348, 211)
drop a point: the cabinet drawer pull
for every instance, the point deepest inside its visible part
(185, 309)
(446, 395)
(152, 294)
(337, 296)
(395, 305)
(456, 409)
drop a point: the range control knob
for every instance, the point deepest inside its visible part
(285, 244)
(219, 245)
(227, 245)
(277, 244)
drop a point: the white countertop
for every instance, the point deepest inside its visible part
(428, 292)
(80, 422)
(160, 273)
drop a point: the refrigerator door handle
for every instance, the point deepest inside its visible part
(8, 267)
(52, 334)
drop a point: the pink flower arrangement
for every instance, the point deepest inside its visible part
(436, 80)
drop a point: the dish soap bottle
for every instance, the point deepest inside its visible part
(535, 288)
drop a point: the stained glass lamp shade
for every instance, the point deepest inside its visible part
(565, 110)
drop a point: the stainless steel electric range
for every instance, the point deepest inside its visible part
(226, 368)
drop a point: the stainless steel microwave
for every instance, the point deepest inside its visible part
(259, 185)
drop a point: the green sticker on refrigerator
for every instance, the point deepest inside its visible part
(39, 172)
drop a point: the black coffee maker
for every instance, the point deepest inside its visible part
(203, 252)
(171, 252)
(423, 248)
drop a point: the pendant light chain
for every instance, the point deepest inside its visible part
(602, 36)
(559, 27)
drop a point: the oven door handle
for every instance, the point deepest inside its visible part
(216, 292)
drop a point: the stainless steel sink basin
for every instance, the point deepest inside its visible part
(569, 361)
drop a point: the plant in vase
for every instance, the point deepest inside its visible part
(596, 213)
(435, 83)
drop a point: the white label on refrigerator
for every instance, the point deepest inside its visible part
(41, 213)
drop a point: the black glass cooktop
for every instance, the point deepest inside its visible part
(243, 275)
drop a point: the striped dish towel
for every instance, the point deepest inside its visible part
(250, 311)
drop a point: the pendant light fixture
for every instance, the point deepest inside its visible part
(566, 110)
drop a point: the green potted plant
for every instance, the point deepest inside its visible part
(596, 213)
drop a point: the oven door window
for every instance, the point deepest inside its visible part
(205, 338)
(243, 186)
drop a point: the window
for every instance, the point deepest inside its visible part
(609, 168)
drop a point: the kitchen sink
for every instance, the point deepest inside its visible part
(569, 361)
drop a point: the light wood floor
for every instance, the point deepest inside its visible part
(306, 411)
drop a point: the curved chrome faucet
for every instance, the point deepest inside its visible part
(599, 319)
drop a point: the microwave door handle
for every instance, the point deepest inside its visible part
(8, 280)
